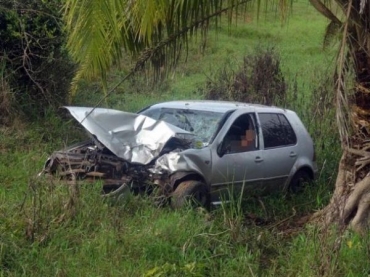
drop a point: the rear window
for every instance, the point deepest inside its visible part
(277, 131)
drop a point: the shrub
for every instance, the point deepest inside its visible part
(37, 66)
(258, 80)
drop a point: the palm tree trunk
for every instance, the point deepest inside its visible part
(350, 204)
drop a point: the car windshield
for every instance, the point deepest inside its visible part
(203, 124)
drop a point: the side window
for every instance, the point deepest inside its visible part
(276, 130)
(242, 135)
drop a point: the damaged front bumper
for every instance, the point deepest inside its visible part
(121, 154)
(87, 162)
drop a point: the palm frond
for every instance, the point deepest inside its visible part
(324, 9)
(101, 31)
(94, 29)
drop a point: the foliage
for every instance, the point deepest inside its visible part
(37, 67)
(155, 31)
(258, 80)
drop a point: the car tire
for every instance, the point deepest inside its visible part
(299, 180)
(194, 193)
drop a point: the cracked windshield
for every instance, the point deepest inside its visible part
(203, 124)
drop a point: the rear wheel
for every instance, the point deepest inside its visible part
(194, 193)
(299, 181)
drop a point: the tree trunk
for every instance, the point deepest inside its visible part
(350, 204)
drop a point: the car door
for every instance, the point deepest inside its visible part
(279, 149)
(237, 161)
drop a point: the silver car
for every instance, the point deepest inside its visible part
(181, 150)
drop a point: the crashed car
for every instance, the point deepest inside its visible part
(181, 150)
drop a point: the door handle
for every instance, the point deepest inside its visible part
(258, 159)
(293, 155)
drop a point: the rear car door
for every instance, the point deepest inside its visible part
(279, 149)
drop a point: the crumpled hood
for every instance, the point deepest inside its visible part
(132, 137)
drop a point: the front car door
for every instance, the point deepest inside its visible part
(237, 161)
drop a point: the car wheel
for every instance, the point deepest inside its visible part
(192, 193)
(299, 180)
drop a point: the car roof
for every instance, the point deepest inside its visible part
(208, 105)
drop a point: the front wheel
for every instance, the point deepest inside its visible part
(192, 192)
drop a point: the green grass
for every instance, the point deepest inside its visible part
(46, 230)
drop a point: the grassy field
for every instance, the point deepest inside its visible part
(47, 230)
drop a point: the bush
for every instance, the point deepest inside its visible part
(37, 67)
(258, 80)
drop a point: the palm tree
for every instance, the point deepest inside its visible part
(101, 31)
(351, 200)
